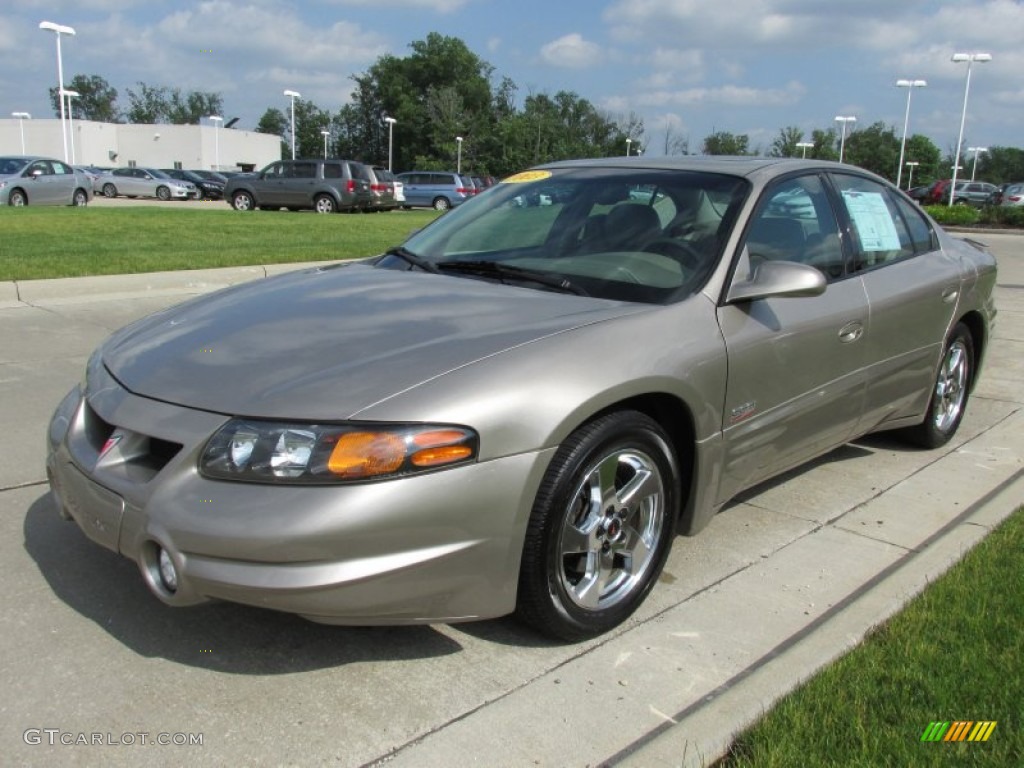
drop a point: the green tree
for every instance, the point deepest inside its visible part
(875, 149)
(309, 121)
(785, 144)
(1001, 165)
(927, 155)
(160, 104)
(96, 100)
(148, 104)
(725, 143)
(826, 144)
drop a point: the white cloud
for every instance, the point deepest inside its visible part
(439, 6)
(571, 51)
(726, 95)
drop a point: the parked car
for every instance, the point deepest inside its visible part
(382, 189)
(1013, 195)
(919, 194)
(34, 180)
(217, 176)
(439, 190)
(209, 189)
(976, 193)
(519, 408)
(938, 192)
(325, 186)
(146, 182)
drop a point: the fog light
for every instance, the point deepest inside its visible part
(168, 574)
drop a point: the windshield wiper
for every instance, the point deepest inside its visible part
(408, 256)
(501, 271)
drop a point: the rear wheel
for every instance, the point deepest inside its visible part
(441, 204)
(325, 204)
(17, 198)
(950, 392)
(601, 527)
(163, 193)
(80, 199)
(242, 201)
(109, 190)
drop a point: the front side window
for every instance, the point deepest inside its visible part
(795, 222)
(39, 168)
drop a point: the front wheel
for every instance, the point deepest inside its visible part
(950, 392)
(600, 529)
(17, 198)
(163, 193)
(242, 201)
(441, 204)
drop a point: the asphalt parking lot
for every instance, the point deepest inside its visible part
(781, 582)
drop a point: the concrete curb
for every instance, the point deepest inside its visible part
(71, 290)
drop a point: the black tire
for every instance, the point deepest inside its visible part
(950, 392)
(163, 193)
(80, 199)
(109, 190)
(243, 201)
(441, 204)
(17, 198)
(324, 204)
(573, 528)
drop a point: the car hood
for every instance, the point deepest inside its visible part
(324, 344)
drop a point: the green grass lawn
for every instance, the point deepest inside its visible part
(955, 653)
(70, 242)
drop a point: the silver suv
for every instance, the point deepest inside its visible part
(325, 186)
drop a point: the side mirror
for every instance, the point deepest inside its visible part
(36, 173)
(778, 279)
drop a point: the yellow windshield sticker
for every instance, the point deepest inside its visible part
(525, 176)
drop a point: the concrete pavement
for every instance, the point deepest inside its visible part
(782, 581)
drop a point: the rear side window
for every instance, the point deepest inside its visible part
(881, 233)
(333, 171)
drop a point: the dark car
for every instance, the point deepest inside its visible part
(382, 189)
(920, 194)
(209, 189)
(325, 186)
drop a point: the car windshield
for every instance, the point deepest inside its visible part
(156, 173)
(12, 165)
(651, 236)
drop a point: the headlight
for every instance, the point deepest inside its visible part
(279, 452)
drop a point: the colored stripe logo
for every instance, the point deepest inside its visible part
(959, 730)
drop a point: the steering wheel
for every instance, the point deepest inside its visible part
(681, 252)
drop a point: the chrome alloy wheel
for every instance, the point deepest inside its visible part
(611, 527)
(951, 385)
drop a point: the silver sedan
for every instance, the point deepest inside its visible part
(521, 407)
(32, 180)
(145, 182)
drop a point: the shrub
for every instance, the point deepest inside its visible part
(1007, 216)
(955, 215)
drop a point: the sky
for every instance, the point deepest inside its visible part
(686, 67)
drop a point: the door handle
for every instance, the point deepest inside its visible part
(851, 331)
(949, 295)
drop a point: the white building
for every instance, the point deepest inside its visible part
(109, 145)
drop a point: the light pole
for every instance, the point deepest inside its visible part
(911, 164)
(325, 133)
(458, 162)
(216, 120)
(970, 58)
(71, 121)
(58, 30)
(910, 85)
(842, 141)
(628, 142)
(805, 145)
(976, 150)
(391, 127)
(22, 117)
(293, 95)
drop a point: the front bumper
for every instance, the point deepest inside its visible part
(429, 548)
